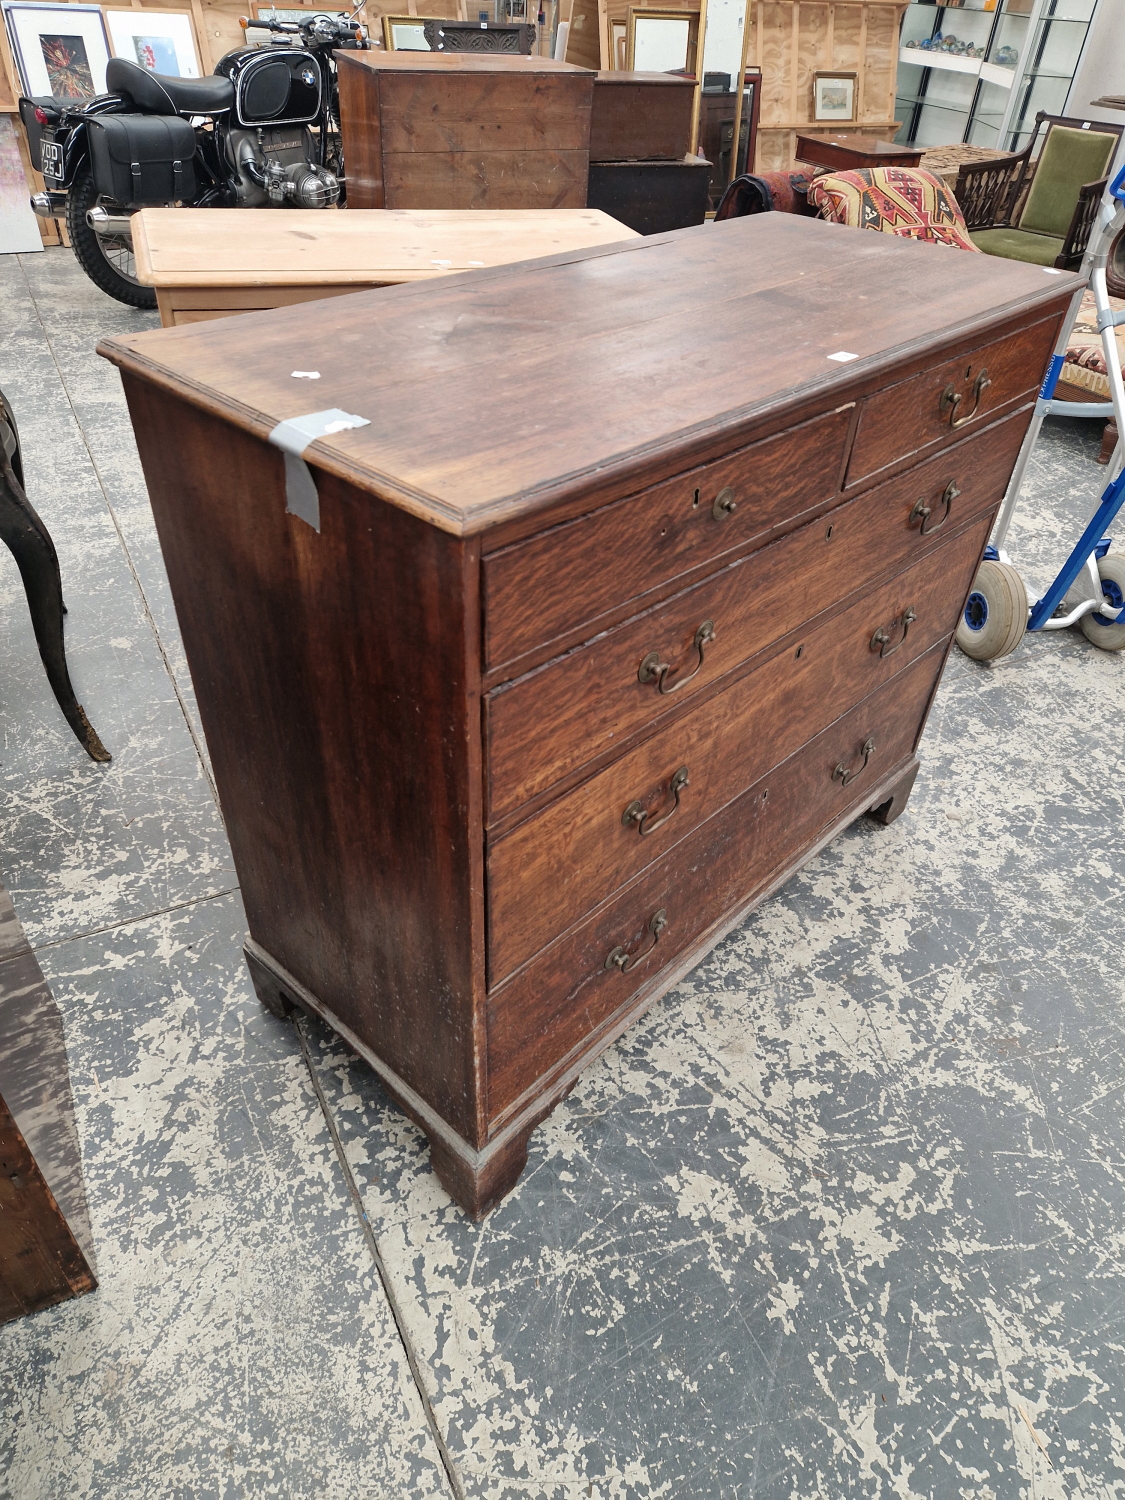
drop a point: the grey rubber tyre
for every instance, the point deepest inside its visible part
(1108, 635)
(994, 619)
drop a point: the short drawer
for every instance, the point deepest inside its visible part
(547, 1010)
(959, 396)
(552, 869)
(558, 718)
(542, 588)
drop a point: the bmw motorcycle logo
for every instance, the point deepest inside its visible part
(308, 77)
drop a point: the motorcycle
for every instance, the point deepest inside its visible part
(242, 138)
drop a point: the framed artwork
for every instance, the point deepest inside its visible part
(405, 33)
(58, 49)
(160, 40)
(834, 96)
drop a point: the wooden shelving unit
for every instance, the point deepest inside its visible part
(790, 40)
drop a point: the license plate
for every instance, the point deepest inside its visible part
(50, 155)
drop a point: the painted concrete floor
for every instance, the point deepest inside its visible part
(843, 1216)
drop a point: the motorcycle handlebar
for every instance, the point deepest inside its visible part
(294, 28)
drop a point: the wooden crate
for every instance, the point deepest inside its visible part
(790, 40)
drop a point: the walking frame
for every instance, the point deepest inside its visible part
(1090, 587)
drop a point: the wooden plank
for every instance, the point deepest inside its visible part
(218, 247)
(861, 69)
(795, 53)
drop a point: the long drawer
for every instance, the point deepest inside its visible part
(546, 1010)
(932, 409)
(557, 865)
(561, 716)
(552, 583)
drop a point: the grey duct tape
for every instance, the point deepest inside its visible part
(293, 437)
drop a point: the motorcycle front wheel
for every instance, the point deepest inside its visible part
(107, 259)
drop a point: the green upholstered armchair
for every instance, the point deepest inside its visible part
(1050, 226)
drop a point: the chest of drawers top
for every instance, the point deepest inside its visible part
(506, 394)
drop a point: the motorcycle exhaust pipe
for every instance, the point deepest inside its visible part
(107, 225)
(49, 205)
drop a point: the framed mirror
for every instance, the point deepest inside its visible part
(661, 41)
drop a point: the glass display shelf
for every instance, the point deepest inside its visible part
(996, 67)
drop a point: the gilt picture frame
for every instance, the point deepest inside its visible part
(58, 49)
(405, 33)
(834, 96)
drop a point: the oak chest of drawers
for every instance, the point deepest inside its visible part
(634, 589)
(437, 130)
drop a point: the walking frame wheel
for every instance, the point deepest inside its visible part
(1108, 635)
(994, 619)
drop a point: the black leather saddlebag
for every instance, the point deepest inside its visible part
(142, 158)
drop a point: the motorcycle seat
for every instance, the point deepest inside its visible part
(160, 95)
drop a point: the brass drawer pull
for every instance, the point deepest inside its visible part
(922, 512)
(881, 640)
(846, 777)
(724, 503)
(620, 958)
(652, 669)
(637, 813)
(951, 400)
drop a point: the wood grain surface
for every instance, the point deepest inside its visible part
(555, 866)
(436, 134)
(566, 713)
(227, 247)
(336, 674)
(551, 1004)
(609, 395)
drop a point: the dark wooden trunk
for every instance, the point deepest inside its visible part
(431, 130)
(619, 608)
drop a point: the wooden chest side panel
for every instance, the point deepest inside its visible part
(335, 679)
(486, 179)
(361, 135)
(485, 112)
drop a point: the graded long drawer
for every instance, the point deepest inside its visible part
(962, 395)
(564, 714)
(539, 589)
(556, 866)
(545, 1012)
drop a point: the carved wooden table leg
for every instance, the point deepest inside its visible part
(30, 544)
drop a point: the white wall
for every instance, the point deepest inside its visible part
(1101, 69)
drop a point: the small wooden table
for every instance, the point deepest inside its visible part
(848, 151)
(212, 262)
